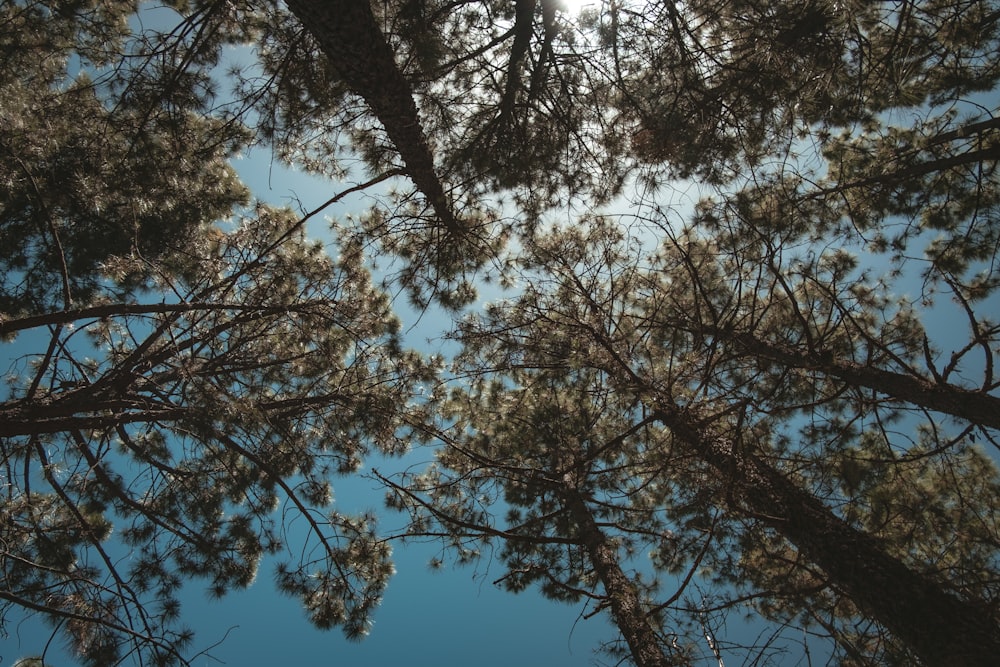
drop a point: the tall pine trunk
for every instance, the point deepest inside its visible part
(941, 628)
(349, 35)
(626, 606)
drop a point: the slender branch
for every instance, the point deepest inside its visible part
(123, 309)
(478, 530)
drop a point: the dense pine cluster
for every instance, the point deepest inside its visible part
(744, 362)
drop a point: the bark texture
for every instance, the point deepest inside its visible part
(944, 630)
(976, 407)
(350, 37)
(626, 607)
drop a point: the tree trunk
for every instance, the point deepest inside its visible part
(626, 607)
(350, 37)
(941, 628)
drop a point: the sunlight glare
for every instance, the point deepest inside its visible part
(576, 7)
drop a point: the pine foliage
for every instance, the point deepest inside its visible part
(678, 415)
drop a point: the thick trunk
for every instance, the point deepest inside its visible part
(524, 18)
(977, 407)
(350, 37)
(626, 607)
(940, 627)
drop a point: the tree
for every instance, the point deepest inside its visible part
(563, 455)
(84, 177)
(184, 423)
(524, 103)
(354, 45)
(485, 102)
(604, 328)
(200, 363)
(733, 393)
(519, 95)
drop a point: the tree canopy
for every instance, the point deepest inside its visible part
(779, 399)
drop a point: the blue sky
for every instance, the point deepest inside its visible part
(451, 617)
(447, 617)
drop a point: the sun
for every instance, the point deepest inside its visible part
(576, 7)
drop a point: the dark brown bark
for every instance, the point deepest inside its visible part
(974, 406)
(60, 317)
(25, 426)
(968, 130)
(941, 628)
(915, 171)
(84, 409)
(549, 10)
(524, 22)
(626, 607)
(350, 37)
(81, 409)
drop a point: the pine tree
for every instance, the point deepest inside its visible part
(597, 319)
(184, 423)
(565, 460)
(186, 363)
(87, 175)
(734, 393)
